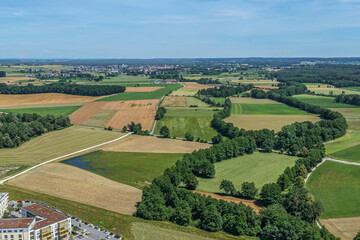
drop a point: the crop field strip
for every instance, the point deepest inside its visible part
(280, 109)
(142, 89)
(81, 186)
(136, 169)
(324, 89)
(55, 144)
(64, 110)
(248, 100)
(154, 145)
(260, 168)
(322, 101)
(174, 101)
(345, 228)
(42, 98)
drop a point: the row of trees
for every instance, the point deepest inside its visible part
(225, 91)
(16, 129)
(160, 113)
(67, 88)
(353, 99)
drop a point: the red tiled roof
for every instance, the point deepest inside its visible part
(49, 216)
(15, 222)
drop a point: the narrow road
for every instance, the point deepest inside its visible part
(67, 155)
(157, 107)
(330, 159)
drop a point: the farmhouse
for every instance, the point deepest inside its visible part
(37, 223)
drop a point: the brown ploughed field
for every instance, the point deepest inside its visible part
(197, 86)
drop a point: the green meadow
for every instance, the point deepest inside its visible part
(280, 109)
(260, 168)
(322, 101)
(337, 186)
(142, 95)
(135, 169)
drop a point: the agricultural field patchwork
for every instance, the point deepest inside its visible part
(184, 92)
(174, 101)
(337, 186)
(280, 109)
(116, 113)
(55, 144)
(260, 168)
(81, 186)
(194, 86)
(269, 121)
(191, 101)
(248, 100)
(135, 169)
(195, 122)
(154, 145)
(57, 111)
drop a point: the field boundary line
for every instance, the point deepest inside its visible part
(63, 156)
(157, 107)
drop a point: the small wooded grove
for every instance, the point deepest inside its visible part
(16, 129)
(353, 99)
(66, 88)
(288, 214)
(225, 91)
(2, 74)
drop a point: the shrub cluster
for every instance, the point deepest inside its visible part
(353, 99)
(225, 91)
(160, 113)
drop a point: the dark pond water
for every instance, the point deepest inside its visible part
(82, 161)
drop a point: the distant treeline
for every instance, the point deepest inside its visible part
(337, 75)
(225, 91)
(67, 88)
(2, 74)
(353, 99)
(201, 80)
(16, 129)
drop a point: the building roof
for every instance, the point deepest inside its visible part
(15, 222)
(49, 215)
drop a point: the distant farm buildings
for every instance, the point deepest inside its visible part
(165, 82)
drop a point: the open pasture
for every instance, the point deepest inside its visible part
(337, 186)
(345, 228)
(260, 168)
(248, 100)
(280, 109)
(142, 95)
(43, 98)
(142, 89)
(322, 101)
(64, 110)
(180, 122)
(136, 169)
(191, 101)
(269, 121)
(55, 144)
(184, 92)
(117, 113)
(81, 186)
(154, 145)
(174, 101)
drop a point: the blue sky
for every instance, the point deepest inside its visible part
(179, 28)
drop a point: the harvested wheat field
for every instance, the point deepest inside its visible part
(81, 186)
(345, 228)
(174, 101)
(43, 98)
(247, 202)
(194, 85)
(142, 89)
(154, 145)
(270, 121)
(123, 112)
